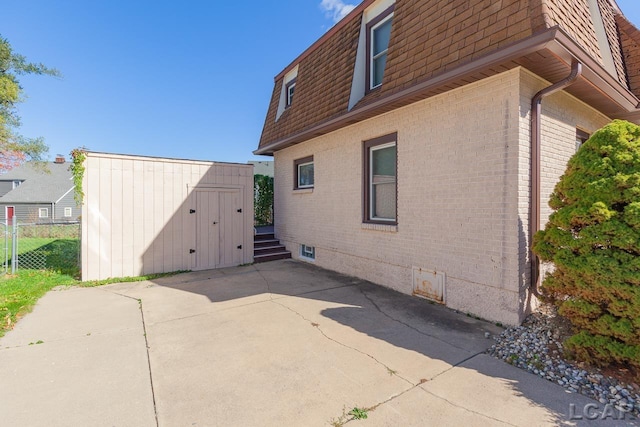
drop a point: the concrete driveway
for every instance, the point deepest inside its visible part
(281, 343)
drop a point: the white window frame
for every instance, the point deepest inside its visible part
(43, 210)
(16, 184)
(290, 89)
(314, 178)
(373, 57)
(68, 212)
(300, 163)
(308, 252)
(371, 184)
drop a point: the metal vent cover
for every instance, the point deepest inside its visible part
(429, 284)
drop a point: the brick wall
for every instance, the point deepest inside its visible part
(463, 165)
(457, 201)
(561, 115)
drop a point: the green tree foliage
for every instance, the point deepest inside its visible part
(263, 200)
(15, 148)
(593, 239)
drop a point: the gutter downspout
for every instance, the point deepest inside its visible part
(536, 114)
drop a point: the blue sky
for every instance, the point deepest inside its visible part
(163, 78)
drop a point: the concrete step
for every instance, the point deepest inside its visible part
(271, 257)
(269, 250)
(265, 243)
(263, 236)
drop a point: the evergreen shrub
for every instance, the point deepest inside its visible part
(593, 240)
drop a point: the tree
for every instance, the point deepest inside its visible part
(15, 148)
(593, 240)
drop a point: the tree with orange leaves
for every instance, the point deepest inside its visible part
(15, 148)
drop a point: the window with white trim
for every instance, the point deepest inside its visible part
(43, 213)
(304, 173)
(308, 252)
(378, 36)
(287, 91)
(291, 86)
(380, 183)
(67, 212)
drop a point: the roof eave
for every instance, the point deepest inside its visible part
(553, 40)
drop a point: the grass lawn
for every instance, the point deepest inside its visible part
(20, 292)
(61, 254)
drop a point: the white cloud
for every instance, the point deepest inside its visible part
(336, 9)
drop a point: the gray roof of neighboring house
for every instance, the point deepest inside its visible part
(40, 185)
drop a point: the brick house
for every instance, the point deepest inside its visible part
(425, 137)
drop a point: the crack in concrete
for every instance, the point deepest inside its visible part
(146, 347)
(316, 326)
(407, 324)
(465, 408)
(146, 344)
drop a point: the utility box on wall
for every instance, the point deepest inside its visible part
(429, 284)
(144, 215)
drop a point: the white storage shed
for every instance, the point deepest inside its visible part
(144, 215)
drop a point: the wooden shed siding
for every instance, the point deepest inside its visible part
(136, 212)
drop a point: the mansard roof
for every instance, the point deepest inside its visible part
(438, 45)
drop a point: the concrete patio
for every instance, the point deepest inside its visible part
(281, 343)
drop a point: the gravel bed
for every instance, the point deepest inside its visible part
(537, 347)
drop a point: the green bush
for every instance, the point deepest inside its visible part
(263, 200)
(593, 240)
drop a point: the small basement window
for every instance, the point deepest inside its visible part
(308, 252)
(67, 212)
(304, 173)
(43, 213)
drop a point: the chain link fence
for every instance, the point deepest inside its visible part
(41, 247)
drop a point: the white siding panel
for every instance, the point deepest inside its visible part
(104, 206)
(147, 214)
(118, 217)
(127, 219)
(136, 216)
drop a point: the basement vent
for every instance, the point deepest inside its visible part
(429, 284)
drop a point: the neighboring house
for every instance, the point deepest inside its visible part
(262, 167)
(36, 194)
(403, 139)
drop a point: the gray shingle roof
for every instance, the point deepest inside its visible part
(41, 185)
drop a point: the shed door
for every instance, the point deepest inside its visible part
(219, 233)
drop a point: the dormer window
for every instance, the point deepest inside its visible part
(378, 36)
(287, 91)
(291, 86)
